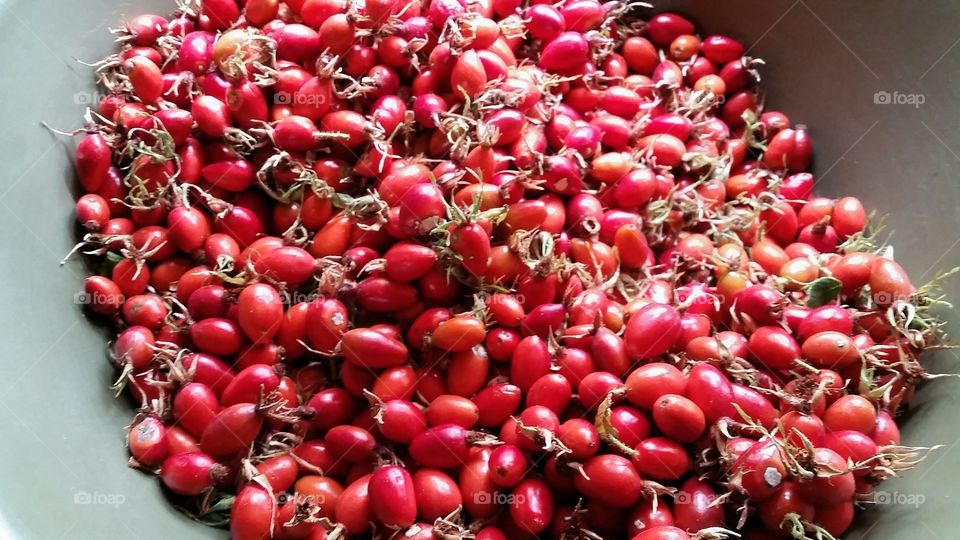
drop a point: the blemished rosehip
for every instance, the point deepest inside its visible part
(508, 270)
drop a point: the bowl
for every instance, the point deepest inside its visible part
(877, 84)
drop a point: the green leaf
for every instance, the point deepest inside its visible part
(823, 291)
(108, 262)
(224, 504)
(342, 200)
(217, 516)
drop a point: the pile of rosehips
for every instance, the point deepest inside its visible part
(488, 269)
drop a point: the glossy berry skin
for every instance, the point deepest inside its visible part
(679, 418)
(652, 331)
(392, 496)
